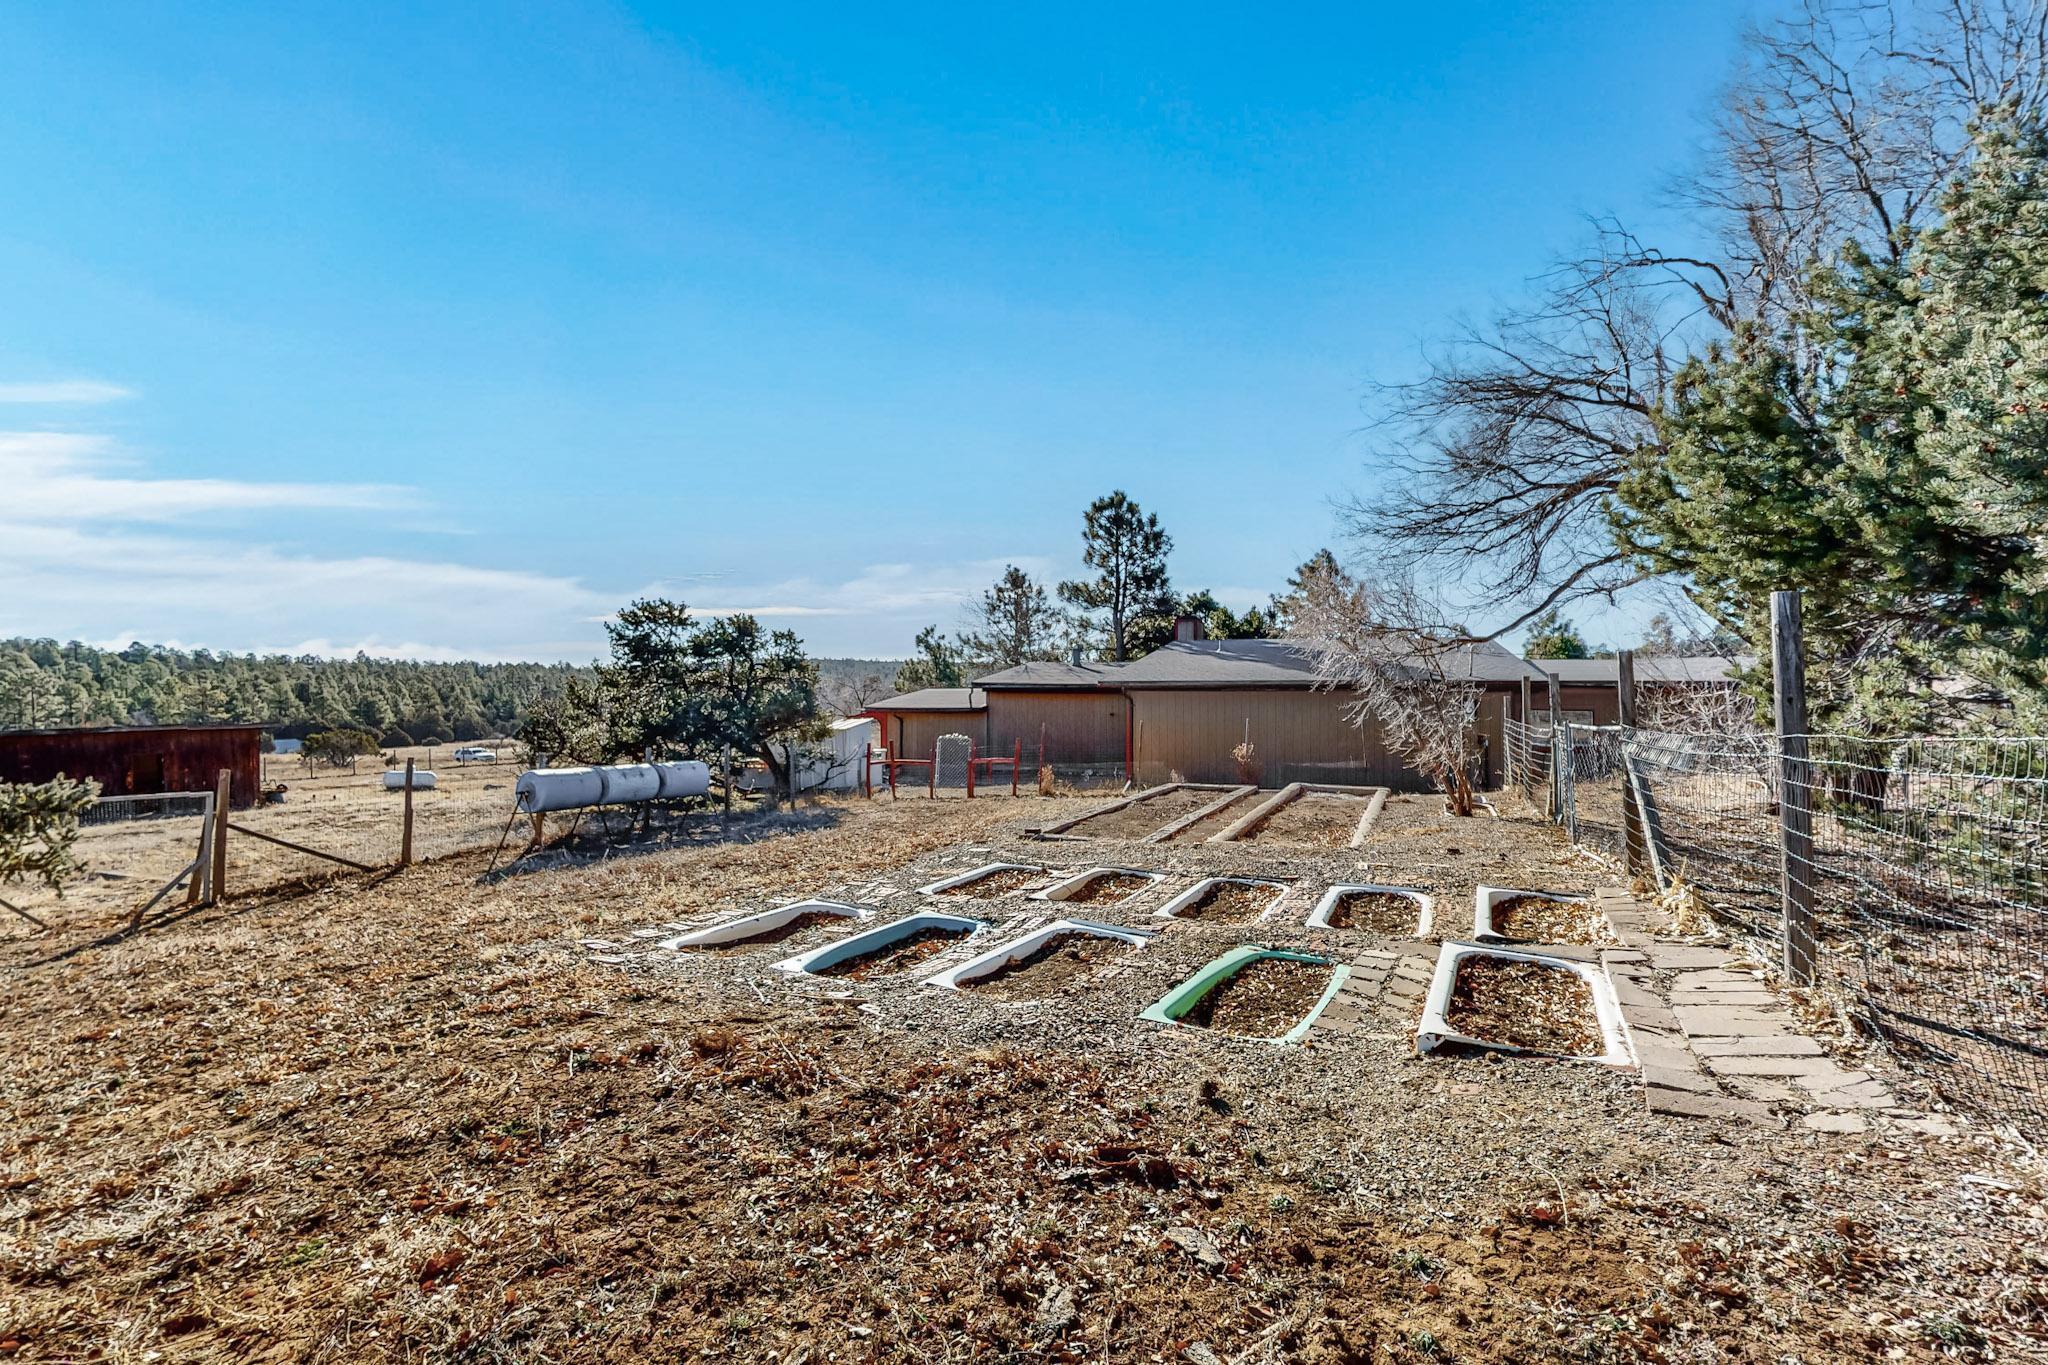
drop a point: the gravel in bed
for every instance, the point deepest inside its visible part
(1375, 912)
(1544, 919)
(1050, 969)
(1262, 999)
(901, 956)
(1524, 1004)
(1109, 889)
(1231, 903)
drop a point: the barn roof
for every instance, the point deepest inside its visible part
(134, 729)
(1043, 675)
(1280, 663)
(936, 699)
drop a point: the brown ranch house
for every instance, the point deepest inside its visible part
(1182, 709)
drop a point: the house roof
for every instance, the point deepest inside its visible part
(1652, 668)
(936, 699)
(1042, 675)
(1280, 663)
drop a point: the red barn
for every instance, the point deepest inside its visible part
(137, 760)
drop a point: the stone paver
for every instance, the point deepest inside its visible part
(1836, 1123)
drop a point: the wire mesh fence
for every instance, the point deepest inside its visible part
(1926, 878)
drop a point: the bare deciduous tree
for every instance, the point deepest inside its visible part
(1843, 123)
(1409, 672)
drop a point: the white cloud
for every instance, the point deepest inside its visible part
(936, 592)
(69, 477)
(64, 391)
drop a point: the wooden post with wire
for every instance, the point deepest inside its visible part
(217, 887)
(1555, 801)
(405, 836)
(1631, 814)
(1795, 787)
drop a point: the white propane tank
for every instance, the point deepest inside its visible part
(546, 789)
(394, 779)
(684, 779)
(625, 783)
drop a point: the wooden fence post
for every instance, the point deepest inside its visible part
(1556, 800)
(1795, 787)
(200, 888)
(1631, 814)
(405, 837)
(222, 785)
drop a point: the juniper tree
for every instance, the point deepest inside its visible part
(1886, 452)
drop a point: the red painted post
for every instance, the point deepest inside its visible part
(1016, 761)
(867, 771)
(970, 769)
(931, 775)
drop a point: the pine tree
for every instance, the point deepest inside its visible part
(1552, 637)
(1127, 549)
(1015, 621)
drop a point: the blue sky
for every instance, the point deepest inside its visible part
(441, 330)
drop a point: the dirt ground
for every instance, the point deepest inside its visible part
(1141, 818)
(1315, 819)
(430, 1116)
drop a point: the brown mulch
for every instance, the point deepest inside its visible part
(1262, 999)
(809, 919)
(1108, 890)
(1231, 903)
(905, 953)
(1137, 821)
(1524, 1004)
(1316, 820)
(1050, 969)
(1215, 824)
(1376, 912)
(999, 883)
(1544, 919)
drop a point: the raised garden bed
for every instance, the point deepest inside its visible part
(1251, 992)
(1506, 916)
(990, 879)
(899, 946)
(1313, 819)
(1217, 821)
(1044, 962)
(1100, 886)
(1142, 817)
(768, 926)
(1395, 911)
(1522, 1002)
(1226, 900)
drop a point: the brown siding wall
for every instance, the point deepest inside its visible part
(138, 762)
(913, 734)
(1299, 735)
(1078, 729)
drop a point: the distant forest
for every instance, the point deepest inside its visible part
(45, 684)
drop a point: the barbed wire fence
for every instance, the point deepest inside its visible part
(1905, 879)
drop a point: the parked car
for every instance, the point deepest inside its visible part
(471, 753)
